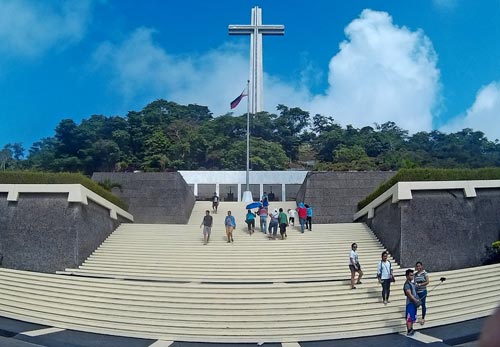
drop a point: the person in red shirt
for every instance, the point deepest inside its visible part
(302, 212)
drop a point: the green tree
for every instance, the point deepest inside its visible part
(289, 125)
(5, 156)
(11, 156)
(352, 158)
(264, 155)
(327, 142)
(157, 147)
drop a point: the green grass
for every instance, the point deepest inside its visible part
(410, 175)
(30, 177)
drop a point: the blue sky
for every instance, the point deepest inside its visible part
(424, 64)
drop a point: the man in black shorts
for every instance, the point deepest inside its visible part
(215, 202)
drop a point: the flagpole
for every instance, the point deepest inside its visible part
(247, 194)
(248, 139)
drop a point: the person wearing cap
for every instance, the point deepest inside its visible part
(273, 224)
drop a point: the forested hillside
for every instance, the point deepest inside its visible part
(168, 136)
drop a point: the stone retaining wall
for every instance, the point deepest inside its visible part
(44, 232)
(153, 197)
(442, 228)
(334, 195)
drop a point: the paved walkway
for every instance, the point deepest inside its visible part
(22, 334)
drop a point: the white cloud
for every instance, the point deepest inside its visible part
(29, 28)
(381, 73)
(483, 115)
(143, 71)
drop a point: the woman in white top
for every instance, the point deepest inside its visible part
(291, 216)
(354, 266)
(384, 275)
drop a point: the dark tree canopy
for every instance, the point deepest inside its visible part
(165, 135)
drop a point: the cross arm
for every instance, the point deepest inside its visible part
(241, 29)
(262, 29)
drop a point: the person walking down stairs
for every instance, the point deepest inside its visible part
(215, 202)
(207, 226)
(354, 265)
(230, 224)
(384, 275)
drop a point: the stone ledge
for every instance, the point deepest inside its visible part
(76, 193)
(403, 191)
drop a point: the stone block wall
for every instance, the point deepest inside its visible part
(153, 197)
(334, 195)
(443, 229)
(44, 232)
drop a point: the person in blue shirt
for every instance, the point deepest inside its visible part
(250, 220)
(309, 224)
(265, 200)
(230, 224)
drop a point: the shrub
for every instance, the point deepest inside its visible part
(30, 177)
(496, 246)
(409, 175)
(492, 254)
(109, 185)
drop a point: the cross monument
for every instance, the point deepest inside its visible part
(256, 29)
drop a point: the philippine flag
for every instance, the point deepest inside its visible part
(236, 101)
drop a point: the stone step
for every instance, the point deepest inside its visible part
(236, 313)
(161, 282)
(176, 253)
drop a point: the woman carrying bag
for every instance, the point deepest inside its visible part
(385, 277)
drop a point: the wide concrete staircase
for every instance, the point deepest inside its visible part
(255, 290)
(177, 253)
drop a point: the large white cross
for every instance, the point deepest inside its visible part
(256, 30)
